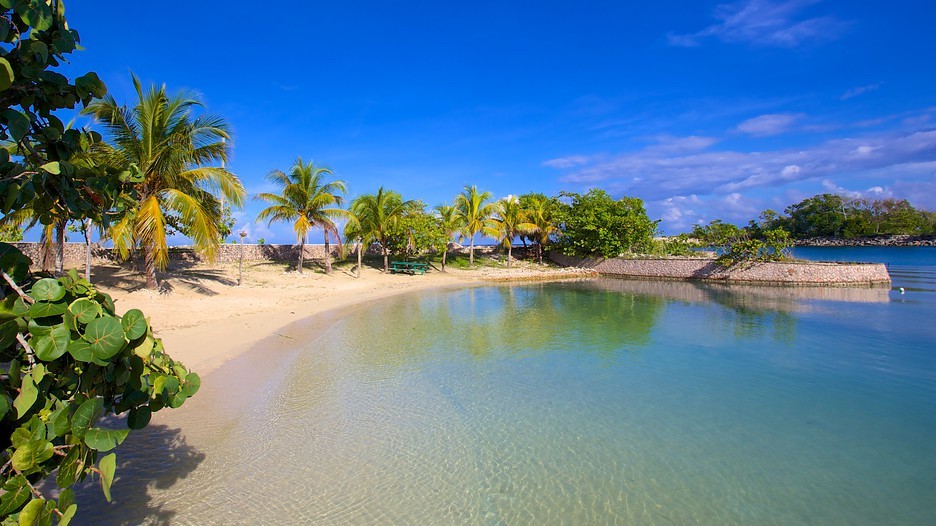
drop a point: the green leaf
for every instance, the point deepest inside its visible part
(104, 439)
(47, 289)
(59, 424)
(31, 512)
(87, 414)
(139, 417)
(134, 324)
(36, 13)
(14, 497)
(106, 336)
(66, 499)
(52, 167)
(81, 351)
(192, 383)
(70, 468)
(91, 83)
(4, 405)
(51, 347)
(8, 332)
(17, 122)
(107, 465)
(6, 73)
(177, 400)
(26, 398)
(32, 454)
(85, 310)
(68, 515)
(45, 309)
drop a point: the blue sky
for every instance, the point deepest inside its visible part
(703, 109)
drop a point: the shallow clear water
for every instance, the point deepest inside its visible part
(595, 402)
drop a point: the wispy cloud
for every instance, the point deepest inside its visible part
(854, 92)
(770, 124)
(765, 23)
(655, 174)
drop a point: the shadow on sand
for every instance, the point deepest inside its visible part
(156, 457)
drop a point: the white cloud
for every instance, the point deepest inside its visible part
(765, 23)
(566, 162)
(654, 174)
(854, 92)
(770, 124)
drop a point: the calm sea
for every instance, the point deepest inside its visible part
(592, 402)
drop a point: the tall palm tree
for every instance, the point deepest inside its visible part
(510, 221)
(475, 213)
(308, 200)
(539, 212)
(451, 224)
(376, 214)
(172, 149)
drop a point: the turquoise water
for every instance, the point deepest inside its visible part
(592, 402)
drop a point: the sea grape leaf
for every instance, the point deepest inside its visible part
(27, 396)
(192, 383)
(87, 413)
(8, 331)
(69, 468)
(139, 417)
(68, 515)
(31, 454)
(54, 345)
(58, 422)
(107, 465)
(81, 351)
(106, 337)
(6, 71)
(134, 324)
(4, 405)
(29, 515)
(15, 496)
(104, 439)
(85, 310)
(47, 289)
(45, 309)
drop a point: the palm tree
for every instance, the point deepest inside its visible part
(451, 224)
(539, 212)
(307, 200)
(475, 211)
(376, 214)
(509, 222)
(172, 149)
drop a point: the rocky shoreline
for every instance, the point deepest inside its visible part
(875, 241)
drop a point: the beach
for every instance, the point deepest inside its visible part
(205, 318)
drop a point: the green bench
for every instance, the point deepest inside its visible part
(408, 267)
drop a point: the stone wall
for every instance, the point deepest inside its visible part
(780, 273)
(230, 253)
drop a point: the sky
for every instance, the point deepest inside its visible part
(702, 109)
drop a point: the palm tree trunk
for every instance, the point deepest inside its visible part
(444, 253)
(509, 253)
(60, 247)
(539, 252)
(87, 236)
(328, 269)
(386, 258)
(301, 253)
(360, 248)
(471, 252)
(149, 267)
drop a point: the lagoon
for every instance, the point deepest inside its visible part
(588, 402)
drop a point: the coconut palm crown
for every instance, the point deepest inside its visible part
(475, 210)
(308, 201)
(174, 150)
(376, 214)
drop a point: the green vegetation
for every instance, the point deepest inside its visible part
(510, 220)
(829, 215)
(70, 359)
(306, 200)
(594, 224)
(374, 218)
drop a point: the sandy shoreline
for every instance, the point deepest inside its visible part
(206, 319)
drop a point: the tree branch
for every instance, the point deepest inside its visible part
(16, 287)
